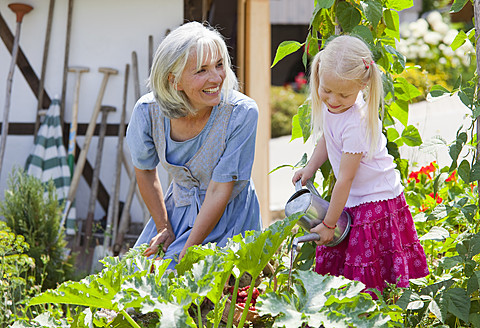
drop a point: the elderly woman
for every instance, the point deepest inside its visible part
(202, 131)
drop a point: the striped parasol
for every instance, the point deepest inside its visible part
(48, 159)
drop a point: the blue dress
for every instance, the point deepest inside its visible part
(223, 152)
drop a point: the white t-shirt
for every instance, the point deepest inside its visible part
(376, 178)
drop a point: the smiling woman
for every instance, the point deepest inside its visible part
(202, 131)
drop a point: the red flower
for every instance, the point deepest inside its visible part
(437, 198)
(452, 177)
(300, 80)
(414, 175)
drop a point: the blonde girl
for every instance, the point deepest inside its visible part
(346, 93)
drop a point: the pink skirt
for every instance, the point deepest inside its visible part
(382, 246)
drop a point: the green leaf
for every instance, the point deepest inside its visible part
(437, 90)
(301, 122)
(459, 303)
(401, 59)
(373, 11)
(459, 40)
(473, 283)
(436, 234)
(392, 134)
(450, 262)
(348, 16)
(465, 98)
(475, 171)
(257, 247)
(469, 211)
(99, 290)
(324, 4)
(364, 33)
(303, 161)
(399, 5)
(296, 128)
(456, 147)
(438, 182)
(464, 171)
(457, 5)
(436, 309)
(399, 110)
(392, 21)
(315, 299)
(409, 300)
(404, 90)
(284, 49)
(411, 136)
(434, 145)
(281, 167)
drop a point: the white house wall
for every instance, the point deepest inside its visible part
(103, 34)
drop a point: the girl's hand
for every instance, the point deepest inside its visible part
(165, 237)
(303, 174)
(326, 234)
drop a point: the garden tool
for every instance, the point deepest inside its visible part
(20, 10)
(313, 209)
(82, 157)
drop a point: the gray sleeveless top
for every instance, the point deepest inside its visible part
(192, 179)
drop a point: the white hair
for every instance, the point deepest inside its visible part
(171, 58)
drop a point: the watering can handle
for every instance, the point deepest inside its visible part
(312, 188)
(309, 185)
(298, 185)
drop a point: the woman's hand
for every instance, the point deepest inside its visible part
(163, 239)
(326, 234)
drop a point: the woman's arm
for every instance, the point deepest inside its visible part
(319, 157)
(216, 199)
(349, 164)
(152, 194)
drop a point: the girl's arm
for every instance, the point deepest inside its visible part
(152, 194)
(319, 157)
(216, 199)
(349, 164)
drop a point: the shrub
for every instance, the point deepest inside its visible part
(31, 209)
(14, 278)
(284, 103)
(428, 43)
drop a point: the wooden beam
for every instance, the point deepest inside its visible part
(26, 129)
(257, 82)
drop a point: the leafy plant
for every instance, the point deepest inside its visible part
(428, 44)
(284, 103)
(14, 278)
(31, 209)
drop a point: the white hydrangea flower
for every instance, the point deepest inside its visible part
(432, 38)
(467, 47)
(449, 37)
(442, 60)
(448, 52)
(419, 28)
(440, 27)
(434, 17)
(423, 50)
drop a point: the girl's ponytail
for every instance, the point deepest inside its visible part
(373, 99)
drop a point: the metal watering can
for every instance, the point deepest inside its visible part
(313, 209)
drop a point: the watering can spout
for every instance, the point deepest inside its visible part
(308, 237)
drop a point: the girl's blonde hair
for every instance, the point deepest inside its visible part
(350, 59)
(171, 58)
